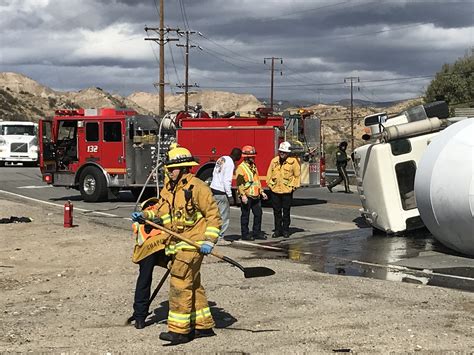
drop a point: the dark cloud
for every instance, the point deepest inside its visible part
(101, 43)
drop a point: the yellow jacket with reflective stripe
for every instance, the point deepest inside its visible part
(247, 179)
(196, 218)
(283, 178)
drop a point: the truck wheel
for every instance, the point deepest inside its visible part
(206, 175)
(92, 185)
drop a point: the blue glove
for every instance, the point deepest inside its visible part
(136, 216)
(206, 248)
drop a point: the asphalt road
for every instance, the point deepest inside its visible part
(327, 233)
(312, 206)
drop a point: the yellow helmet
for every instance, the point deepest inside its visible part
(178, 157)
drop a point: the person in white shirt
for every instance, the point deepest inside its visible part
(221, 187)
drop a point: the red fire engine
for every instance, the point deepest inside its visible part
(102, 151)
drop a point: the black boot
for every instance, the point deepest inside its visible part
(140, 323)
(248, 237)
(203, 333)
(329, 188)
(175, 338)
(260, 235)
(286, 234)
(276, 235)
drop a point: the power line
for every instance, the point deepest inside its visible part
(239, 55)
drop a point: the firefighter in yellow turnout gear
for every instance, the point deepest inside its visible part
(186, 206)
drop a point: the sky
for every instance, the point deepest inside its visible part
(392, 49)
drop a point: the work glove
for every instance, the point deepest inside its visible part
(244, 199)
(206, 248)
(264, 195)
(137, 216)
(231, 200)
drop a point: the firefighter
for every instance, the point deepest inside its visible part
(250, 192)
(341, 164)
(186, 206)
(149, 251)
(283, 178)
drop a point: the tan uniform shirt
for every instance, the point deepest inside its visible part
(284, 178)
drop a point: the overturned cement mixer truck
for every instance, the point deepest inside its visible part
(417, 170)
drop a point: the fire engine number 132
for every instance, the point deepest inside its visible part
(92, 148)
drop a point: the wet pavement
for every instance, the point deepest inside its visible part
(415, 258)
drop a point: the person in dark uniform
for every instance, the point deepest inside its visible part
(341, 164)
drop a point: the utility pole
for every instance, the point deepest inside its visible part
(272, 75)
(161, 41)
(186, 85)
(352, 78)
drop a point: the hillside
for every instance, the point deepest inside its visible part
(22, 98)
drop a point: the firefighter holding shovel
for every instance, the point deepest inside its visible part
(186, 206)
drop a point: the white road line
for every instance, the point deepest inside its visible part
(315, 219)
(35, 187)
(58, 205)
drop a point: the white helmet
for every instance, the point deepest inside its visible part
(285, 147)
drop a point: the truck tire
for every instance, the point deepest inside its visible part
(206, 175)
(92, 185)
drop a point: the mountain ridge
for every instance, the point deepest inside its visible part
(22, 98)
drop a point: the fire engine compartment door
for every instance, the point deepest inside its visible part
(112, 147)
(47, 153)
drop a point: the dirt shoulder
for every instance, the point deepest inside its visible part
(71, 290)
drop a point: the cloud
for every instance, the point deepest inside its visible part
(102, 43)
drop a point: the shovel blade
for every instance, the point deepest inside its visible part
(250, 272)
(258, 271)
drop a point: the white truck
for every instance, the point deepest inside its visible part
(18, 142)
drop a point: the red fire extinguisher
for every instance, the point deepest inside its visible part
(68, 207)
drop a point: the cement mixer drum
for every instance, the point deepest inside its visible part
(444, 187)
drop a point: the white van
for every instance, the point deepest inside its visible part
(18, 142)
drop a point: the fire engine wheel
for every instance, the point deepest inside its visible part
(92, 185)
(206, 175)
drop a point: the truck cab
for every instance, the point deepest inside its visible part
(18, 142)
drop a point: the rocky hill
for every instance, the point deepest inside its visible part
(22, 98)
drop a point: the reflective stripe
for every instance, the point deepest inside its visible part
(193, 219)
(212, 232)
(175, 247)
(201, 313)
(166, 218)
(182, 318)
(149, 214)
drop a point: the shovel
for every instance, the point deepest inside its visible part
(249, 272)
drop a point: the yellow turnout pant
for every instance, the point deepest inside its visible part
(188, 307)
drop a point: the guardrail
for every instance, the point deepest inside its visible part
(333, 172)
